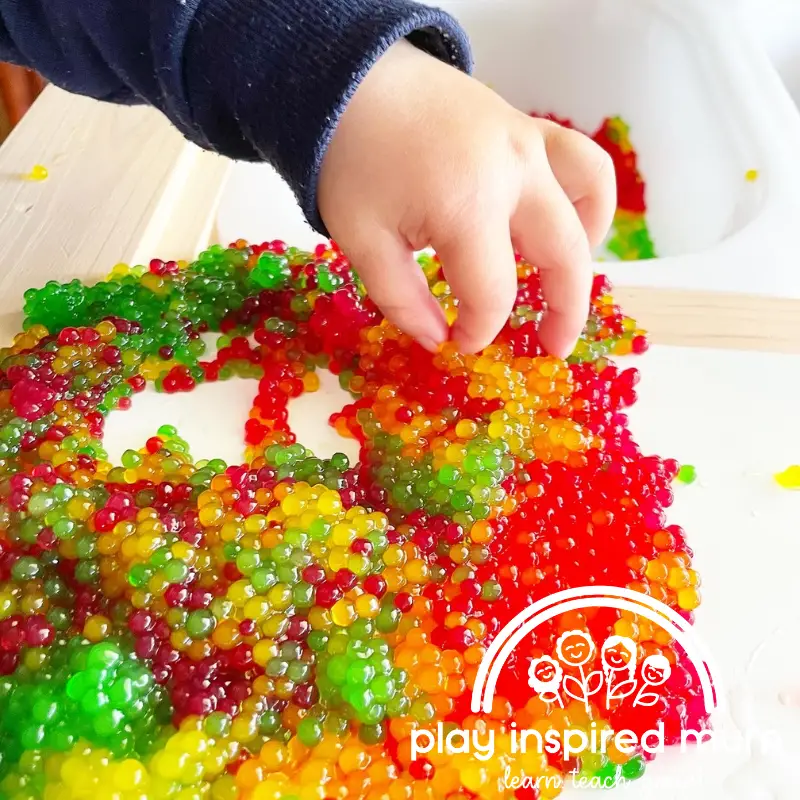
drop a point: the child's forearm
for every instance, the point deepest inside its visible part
(252, 79)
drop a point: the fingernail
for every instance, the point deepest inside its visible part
(430, 344)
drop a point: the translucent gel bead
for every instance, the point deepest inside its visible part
(37, 173)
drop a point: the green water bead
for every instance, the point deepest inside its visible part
(310, 731)
(272, 271)
(200, 624)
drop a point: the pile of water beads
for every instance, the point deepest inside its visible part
(172, 628)
(630, 238)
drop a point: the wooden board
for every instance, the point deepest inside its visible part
(714, 319)
(123, 185)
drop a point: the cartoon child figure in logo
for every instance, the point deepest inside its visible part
(619, 667)
(655, 673)
(575, 649)
(544, 677)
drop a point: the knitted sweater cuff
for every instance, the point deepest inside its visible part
(287, 69)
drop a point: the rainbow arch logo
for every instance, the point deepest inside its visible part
(613, 597)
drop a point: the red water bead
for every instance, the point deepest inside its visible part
(57, 433)
(8, 662)
(305, 695)
(90, 336)
(403, 601)
(178, 379)
(176, 595)
(199, 598)
(46, 539)
(460, 638)
(18, 501)
(167, 655)
(404, 414)
(95, 422)
(159, 267)
(32, 400)
(12, 635)
(327, 594)
(421, 769)
(254, 431)
(86, 462)
(141, 622)
(137, 383)
(375, 584)
(346, 579)
(241, 657)
(640, 345)
(363, 546)
(313, 574)
(28, 441)
(453, 533)
(68, 336)
(247, 627)
(105, 519)
(424, 539)
(38, 631)
(298, 629)
(154, 444)
(111, 355)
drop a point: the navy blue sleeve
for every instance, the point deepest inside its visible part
(257, 80)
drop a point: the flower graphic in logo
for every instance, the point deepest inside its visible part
(544, 677)
(575, 649)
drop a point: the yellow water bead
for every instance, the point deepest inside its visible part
(80, 508)
(210, 515)
(257, 608)
(657, 571)
(689, 599)
(343, 612)
(367, 606)
(319, 618)
(97, 627)
(394, 556)
(417, 571)
(263, 651)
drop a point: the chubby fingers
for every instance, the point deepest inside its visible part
(549, 233)
(480, 267)
(395, 282)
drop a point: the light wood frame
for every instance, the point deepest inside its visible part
(125, 186)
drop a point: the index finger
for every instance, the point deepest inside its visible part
(481, 268)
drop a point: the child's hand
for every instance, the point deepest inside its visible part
(427, 156)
